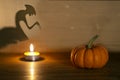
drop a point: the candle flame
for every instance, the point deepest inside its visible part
(31, 48)
(31, 52)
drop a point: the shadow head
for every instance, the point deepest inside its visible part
(30, 10)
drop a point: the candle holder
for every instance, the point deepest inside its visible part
(31, 55)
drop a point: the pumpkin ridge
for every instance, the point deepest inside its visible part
(93, 58)
(79, 57)
(73, 52)
(106, 55)
(88, 59)
(97, 57)
(101, 57)
(74, 59)
(84, 57)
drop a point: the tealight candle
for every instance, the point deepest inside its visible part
(31, 55)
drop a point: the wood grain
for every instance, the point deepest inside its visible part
(55, 66)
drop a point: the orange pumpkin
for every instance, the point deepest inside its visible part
(90, 56)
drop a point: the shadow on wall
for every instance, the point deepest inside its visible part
(10, 35)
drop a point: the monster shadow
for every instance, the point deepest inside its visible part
(10, 35)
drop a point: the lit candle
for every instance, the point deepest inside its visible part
(32, 55)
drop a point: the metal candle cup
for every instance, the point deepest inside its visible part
(31, 55)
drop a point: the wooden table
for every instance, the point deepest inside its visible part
(55, 66)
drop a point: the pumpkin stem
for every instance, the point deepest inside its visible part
(90, 43)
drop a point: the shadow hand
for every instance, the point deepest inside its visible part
(37, 23)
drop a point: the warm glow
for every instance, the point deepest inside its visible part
(32, 71)
(31, 48)
(31, 53)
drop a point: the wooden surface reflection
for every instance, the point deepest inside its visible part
(55, 66)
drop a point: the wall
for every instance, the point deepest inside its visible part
(64, 24)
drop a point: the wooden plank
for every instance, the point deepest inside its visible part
(55, 66)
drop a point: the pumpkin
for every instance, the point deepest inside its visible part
(90, 55)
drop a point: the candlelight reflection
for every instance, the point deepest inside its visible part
(32, 71)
